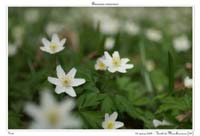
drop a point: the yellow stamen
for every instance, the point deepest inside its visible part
(116, 61)
(53, 118)
(53, 47)
(101, 65)
(66, 81)
(110, 125)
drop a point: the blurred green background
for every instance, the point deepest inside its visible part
(144, 35)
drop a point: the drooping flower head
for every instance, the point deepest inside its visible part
(51, 114)
(53, 46)
(66, 82)
(110, 121)
(115, 63)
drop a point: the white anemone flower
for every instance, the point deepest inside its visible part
(188, 82)
(53, 46)
(109, 26)
(131, 28)
(157, 123)
(110, 121)
(109, 43)
(51, 114)
(66, 82)
(115, 63)
(181, 44)
(100, 65)
(153, 35)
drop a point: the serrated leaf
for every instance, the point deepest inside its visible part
(89, 99)
(92, 119)
(107, 105)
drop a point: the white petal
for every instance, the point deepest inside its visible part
(59, 89)
(156, 123)
(33, 111)
(72, 122)
(62, 42)
(122, 70)
(70, 91)
(45, 42)
(107, 56)
(113, 116)
(72, 73)
(164, 122)
(104, 124)
(107, 116)
(46, 49)
(128, 66)
(54, 81)
(67, 105)
(60, 48)
(78, 81)
(47, 100)
(111, 69)
(116, 54)
(118, 124)
(55, 39)
(124, 60)
(60, 71)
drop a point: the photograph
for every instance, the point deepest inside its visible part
(100, 68)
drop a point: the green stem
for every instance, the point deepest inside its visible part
(144, 71)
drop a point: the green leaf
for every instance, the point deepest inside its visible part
(92, 119)
(122, 82)
(89, 99)
(180, 104)
(107, 105)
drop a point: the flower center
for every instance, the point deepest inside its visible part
(53, 47)
(66, 81)
(116, 61)
(101, 65)
(110, 125)
(53, 118)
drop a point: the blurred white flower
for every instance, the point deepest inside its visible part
(131, 28)
(100, 65)
(31, 16)
(110, 121)
(51, 114)
(53, 46)
(12, 49)
(108, 25)
(188, 82)
(52, 28)
(153, 35)
(150, 65)
(157, 123)
(66, 82)
(115, 63)
(18, 35)
(181, 43)
(109, 43)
